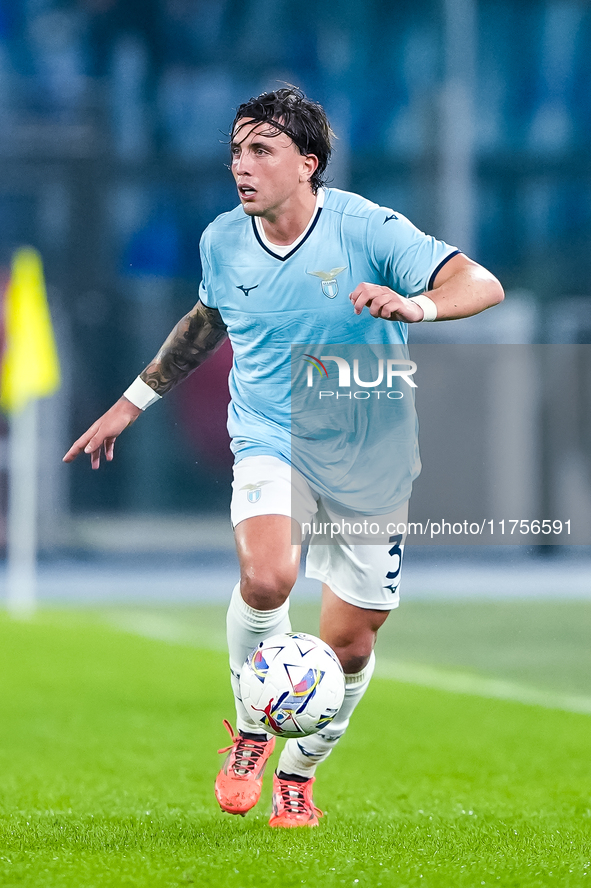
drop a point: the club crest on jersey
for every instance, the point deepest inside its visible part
(253, 491)
(330, 285)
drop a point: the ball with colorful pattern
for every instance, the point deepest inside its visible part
(292, 685)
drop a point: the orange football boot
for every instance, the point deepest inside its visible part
(292, 803)
(238, 785)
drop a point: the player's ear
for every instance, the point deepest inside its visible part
(310, 166)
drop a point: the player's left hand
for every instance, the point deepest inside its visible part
(382, 302)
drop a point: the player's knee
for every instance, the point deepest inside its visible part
(354, 653)
(354, 663)
(266, 589)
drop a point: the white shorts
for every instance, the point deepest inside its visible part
(364, 574)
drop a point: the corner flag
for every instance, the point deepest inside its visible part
(30, 368)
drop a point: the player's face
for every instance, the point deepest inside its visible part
(268, 168)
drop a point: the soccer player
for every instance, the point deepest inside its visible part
(295, 262)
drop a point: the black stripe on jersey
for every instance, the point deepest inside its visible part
(295, 249)
(439, 267)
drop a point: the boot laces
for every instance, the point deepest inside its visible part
(294, 799)
(246, 753)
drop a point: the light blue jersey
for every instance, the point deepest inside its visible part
(270, 301)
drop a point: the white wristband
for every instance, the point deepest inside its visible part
(428, 306)
(140, 394)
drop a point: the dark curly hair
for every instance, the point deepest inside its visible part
(304, 121)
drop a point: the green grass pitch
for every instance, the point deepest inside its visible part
(108, 742)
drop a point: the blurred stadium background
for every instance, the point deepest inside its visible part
(472, 118)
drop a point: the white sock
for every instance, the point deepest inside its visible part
(246, 627)
(302, 756)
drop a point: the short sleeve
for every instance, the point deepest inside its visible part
(407, 259)
(206, 291)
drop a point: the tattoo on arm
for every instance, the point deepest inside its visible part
(196, 336)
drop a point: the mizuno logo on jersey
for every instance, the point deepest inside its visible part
(389, 218)
(245, 290)
(330, 285)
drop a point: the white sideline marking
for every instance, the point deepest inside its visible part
(480, 686)
(163, 628)
(171, 630)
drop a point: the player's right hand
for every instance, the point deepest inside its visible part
(102, 434)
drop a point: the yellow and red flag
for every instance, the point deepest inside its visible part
(30, 366)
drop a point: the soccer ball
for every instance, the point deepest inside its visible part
(293, 685)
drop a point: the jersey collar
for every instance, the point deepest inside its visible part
(283, 252)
